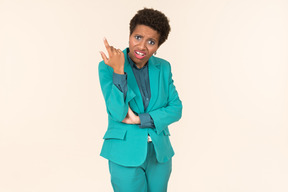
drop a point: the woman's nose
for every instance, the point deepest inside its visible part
(142, 45)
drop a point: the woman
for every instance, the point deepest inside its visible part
(141, 101)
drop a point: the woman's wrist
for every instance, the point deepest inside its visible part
(119, 71)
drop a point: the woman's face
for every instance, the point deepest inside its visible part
(143, 42)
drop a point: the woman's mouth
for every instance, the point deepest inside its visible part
(139, 54)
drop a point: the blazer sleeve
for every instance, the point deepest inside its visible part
(116, 104)
(170, 113)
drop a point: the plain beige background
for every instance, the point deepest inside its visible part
(230, 66)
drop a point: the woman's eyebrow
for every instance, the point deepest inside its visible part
(152, 39)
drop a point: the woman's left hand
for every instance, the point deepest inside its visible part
(131, 118)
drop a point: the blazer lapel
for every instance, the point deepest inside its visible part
(154, 82)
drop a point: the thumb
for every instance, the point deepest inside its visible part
(104, 57)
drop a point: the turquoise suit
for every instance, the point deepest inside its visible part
(126, 144)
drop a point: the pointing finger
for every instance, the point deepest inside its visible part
(108, 47)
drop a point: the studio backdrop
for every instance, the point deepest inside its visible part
(229, 61)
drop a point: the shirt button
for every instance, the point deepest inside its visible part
(147, 99)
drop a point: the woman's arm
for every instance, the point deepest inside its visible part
(116, 99)
(170, 113)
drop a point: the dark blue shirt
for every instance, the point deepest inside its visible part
(142, 78)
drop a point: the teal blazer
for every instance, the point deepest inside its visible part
(126, 144)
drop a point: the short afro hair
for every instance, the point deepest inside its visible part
(154, 19)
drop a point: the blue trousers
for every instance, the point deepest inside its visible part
(151, 176)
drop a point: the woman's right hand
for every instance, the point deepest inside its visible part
(131, 117)
(116, 58)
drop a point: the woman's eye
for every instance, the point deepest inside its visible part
(151, 42)
(138, 37)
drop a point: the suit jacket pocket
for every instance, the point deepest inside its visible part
(115, 134)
